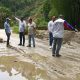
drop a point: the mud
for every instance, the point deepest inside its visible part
(22, 63)
(13, 69)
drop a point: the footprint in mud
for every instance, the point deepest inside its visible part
(59, 72)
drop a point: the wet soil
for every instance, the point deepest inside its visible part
(22, 63)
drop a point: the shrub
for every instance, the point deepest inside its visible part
(41, 24)
(15, 29)
(4, 12)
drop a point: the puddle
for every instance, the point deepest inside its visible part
(12, 75)
(13, 69)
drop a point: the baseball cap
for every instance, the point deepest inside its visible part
(8, 19)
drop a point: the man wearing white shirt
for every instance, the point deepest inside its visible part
(22, 26)
(58, 32)
(50, 26)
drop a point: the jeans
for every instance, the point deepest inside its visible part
(8, 37)
(22, 38)
(50, 38)
(31, 37)
(56, 45)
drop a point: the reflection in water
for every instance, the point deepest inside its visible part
(18, 70)
(10, 76)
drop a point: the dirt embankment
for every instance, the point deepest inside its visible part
(69, 36)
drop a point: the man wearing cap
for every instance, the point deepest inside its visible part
(58, 33)
(7, 31)
(50, 26)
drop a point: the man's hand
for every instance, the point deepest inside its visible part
(76, 30)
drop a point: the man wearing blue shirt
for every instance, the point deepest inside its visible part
(7, 30)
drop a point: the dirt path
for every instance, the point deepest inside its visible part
(37, 63)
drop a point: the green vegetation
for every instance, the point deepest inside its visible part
(15, 29)
(4, 12)
(41, 10)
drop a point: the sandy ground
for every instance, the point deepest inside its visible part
(37, 63)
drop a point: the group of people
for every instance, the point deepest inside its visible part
(22, 27)
(55, 28)
(56, 32)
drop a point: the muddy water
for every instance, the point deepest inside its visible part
(13, 69)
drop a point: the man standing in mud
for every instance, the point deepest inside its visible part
(7, 31)
(50, 26)
(22, 26)
(31, 32)
(58, 32)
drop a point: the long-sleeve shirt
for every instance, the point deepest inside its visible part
(50, 26)
(68, 26)
(58, 28)
(22, 25)
(7, 27)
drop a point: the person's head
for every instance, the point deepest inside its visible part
(61, 16)
(53, 18)
(8, 20)
(22, 19)
(30, 20)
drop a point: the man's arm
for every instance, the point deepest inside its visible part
(68, 26)
(25, 24)
(49, 25)
(17, 19)
(4, 26)
(34, 26)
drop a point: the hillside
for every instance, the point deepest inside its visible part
(42, 10)
(22, 8)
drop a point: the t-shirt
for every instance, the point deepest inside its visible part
(31, 28)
